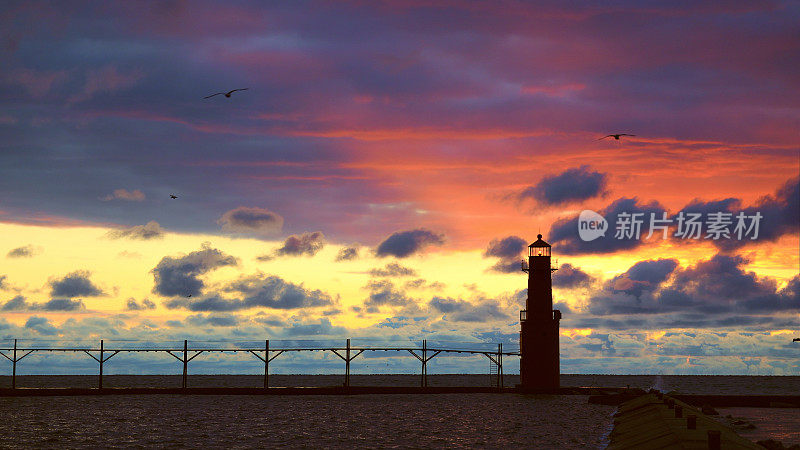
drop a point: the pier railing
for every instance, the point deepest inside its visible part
(266, 353)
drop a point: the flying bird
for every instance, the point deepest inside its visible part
(615, 136)
(796, 340)
(173, 196)
(226, 94)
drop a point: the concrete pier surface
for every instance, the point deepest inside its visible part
(657, 421)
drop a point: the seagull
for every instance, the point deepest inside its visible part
(615, 136)
(226, 94)
(173, 196)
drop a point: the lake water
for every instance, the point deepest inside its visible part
(420, 421)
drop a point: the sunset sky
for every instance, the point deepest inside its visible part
(385, 171)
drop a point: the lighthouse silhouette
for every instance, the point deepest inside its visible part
(538, 337)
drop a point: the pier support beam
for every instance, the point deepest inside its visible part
(14, 360)
(347, 358)
(185, 360)
(102, 358)
(266, 360)
(423, 382)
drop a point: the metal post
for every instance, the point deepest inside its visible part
(185, 362)
(424, 379)
(500, 366)
(100, 381)
(14, 367)
(266, 363)
(347, 366)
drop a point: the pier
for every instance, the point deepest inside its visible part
(266, 354)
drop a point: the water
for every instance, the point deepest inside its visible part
(420, 421)
(685, 384)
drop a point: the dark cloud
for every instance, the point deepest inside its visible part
(569, 276)
(384, 293)
(644, 276)
(393, 270)
(179, 276)
(41, 325)
(347, 254)
(151, 230)
(304, 244)
(780, 216)
(323, 328)
(572, 185)
(214, 320)
(509, 250)
(508, 247)
(458, 310)
(27, 251)
(75, 284)
(257, 221)
(256, 291)
(3, 282)
(714, 289)
(133, 305)
(564, 232)
(19, 303)
(407, 243)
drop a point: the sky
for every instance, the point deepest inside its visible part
(385, 170)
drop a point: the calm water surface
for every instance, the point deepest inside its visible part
(421, 421)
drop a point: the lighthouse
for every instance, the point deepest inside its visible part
(538, 337)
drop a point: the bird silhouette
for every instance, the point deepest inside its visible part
(173, 196)
(796, 340)
(188, 295)
(226, 94)
(615, 136)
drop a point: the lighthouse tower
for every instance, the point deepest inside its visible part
(538, 337)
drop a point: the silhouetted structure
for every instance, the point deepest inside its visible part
(538, 338)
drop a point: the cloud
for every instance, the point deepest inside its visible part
(780, 212)
(179, 276)
(37, 83)
(509, 250)
(41, 325)
(133, 305)
(458, 310)
(406, 243)
(323, 328)
(568, 276)
(384, 293)
(304, 244)
(27, 251)
(123, 194)
(508, 247)
(151, 230)
(347, 254)
(3, 281)
(106, 79)
(393, 270)
(258, 221)
(256, 291)
(214, 320)
(564, 232)
(572, 185)
(710, 292)
(780, 216)
(75, 284)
